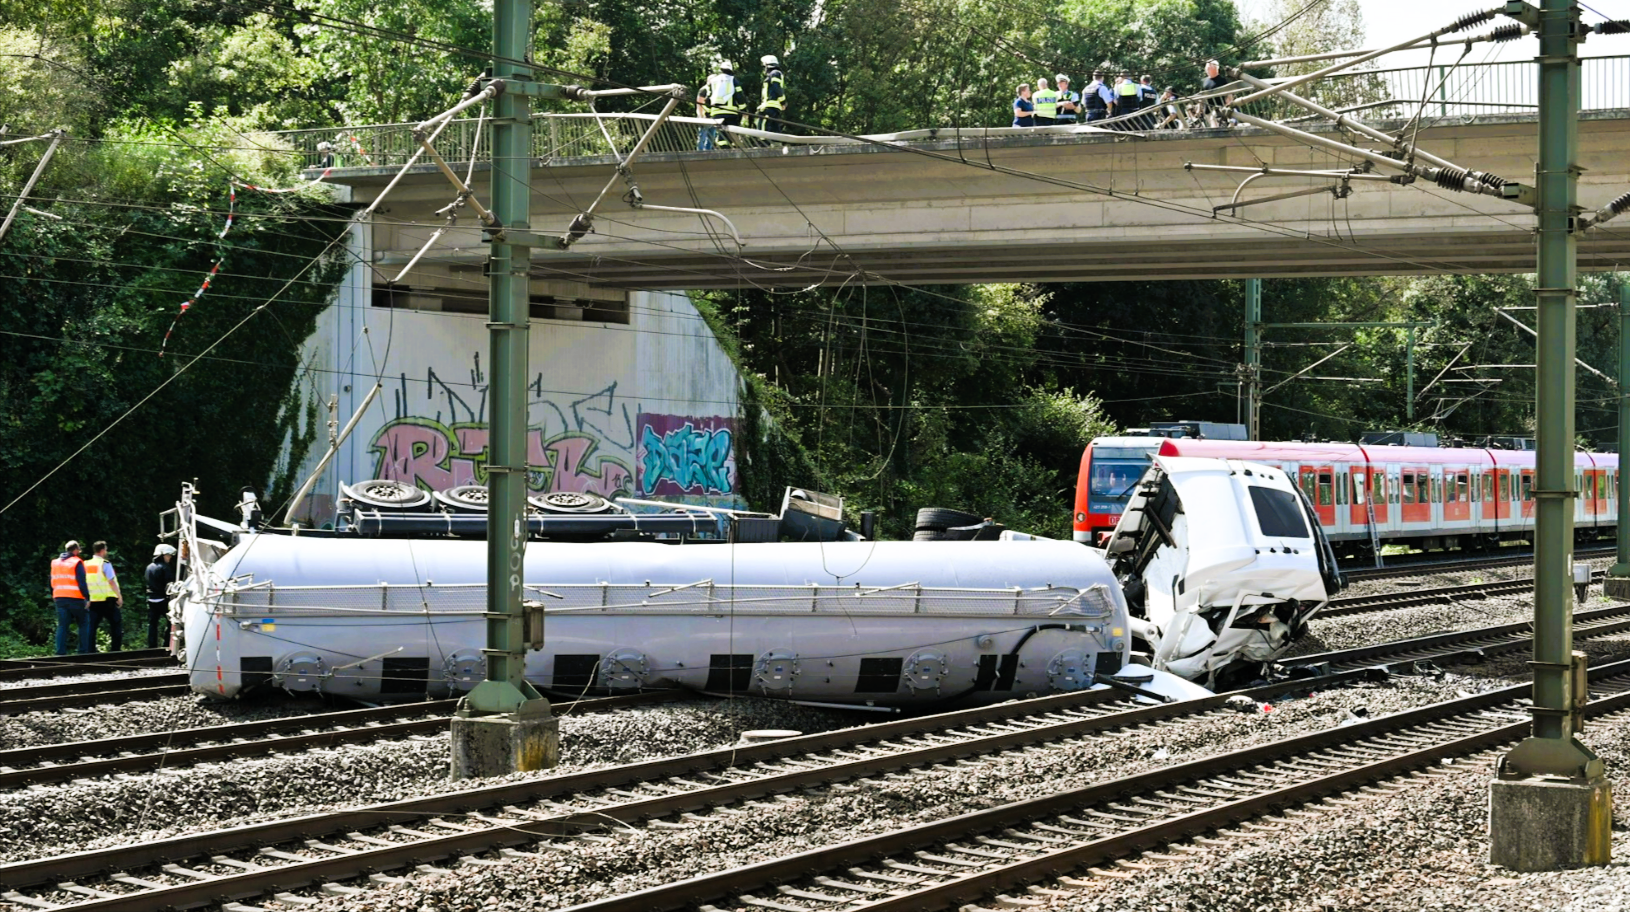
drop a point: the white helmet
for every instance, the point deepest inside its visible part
(1061, 78)
(726, 66)
(769, 60)
(162, 550)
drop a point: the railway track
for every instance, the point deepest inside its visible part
(487, 824)
(974, 856)
(34, 698)
(1443, 595)
(62, 666)
(147, 752)
(1438, 565)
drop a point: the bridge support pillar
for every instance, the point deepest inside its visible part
(1550, 805)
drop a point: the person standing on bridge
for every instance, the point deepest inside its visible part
(1069, 103)
(718, 100)
(1213, 82)
(772, 103)
(1046, 102)
(1147, 96)
(1024, 111)
(1096, 99)
(107, 601)
(72, 593)
(1126, 100)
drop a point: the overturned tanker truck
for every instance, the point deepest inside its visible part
(1214, 570)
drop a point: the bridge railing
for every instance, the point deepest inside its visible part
(1437, 91)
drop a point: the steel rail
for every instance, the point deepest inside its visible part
(16, 700)
(22, 766)
(1438, 565)
(927, 866)
(22, 672)
(125, 655)
(1479, 643)
(734, 774)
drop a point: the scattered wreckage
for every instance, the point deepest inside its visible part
(1213, 571)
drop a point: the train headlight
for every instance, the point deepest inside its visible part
(1080, 517)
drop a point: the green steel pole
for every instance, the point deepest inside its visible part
(1409, 374)
(1253, 358)
(1558, 188)
(506, 689)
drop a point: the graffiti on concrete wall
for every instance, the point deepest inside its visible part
(437, 438)
(681, 454)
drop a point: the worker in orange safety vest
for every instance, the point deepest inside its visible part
(72, 592)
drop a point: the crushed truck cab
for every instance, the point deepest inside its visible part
(1222, 564)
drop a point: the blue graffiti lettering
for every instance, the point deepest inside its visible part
(693, 459)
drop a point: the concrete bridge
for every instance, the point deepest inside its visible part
(976, 207)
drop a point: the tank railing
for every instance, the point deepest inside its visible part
(375, 599)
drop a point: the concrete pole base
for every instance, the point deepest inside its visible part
(1616, 587)
(1550, 824)
(499, 745)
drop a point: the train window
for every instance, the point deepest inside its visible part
(1505, 486)
(1310, 485)
(1462, 490)
(1341, 488)
(1526, 487)
(1409, 487)
(1379, 486)
(1358, 489)
(1326, 491)
(1277, 513)
(1488, 487)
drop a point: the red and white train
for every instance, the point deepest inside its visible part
(1425, 497)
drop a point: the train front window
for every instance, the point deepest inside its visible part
(1115, 472)
(1277, 513)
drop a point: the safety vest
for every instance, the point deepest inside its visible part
(1068, 116)
(1046, 102)
(1126, 97)
(96, 578)
(778, 103)
(1147, 96)
(721, 95)
(1091, 98)
(65, 579)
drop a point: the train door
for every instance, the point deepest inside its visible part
(1358, 516)
(1598, 494)
(1488, 504)
(1457, 496)
(1502, 495)
(1415, 483)
(1525, 495)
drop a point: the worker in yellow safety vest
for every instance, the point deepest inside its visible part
(1126, 98)
(107, 601)
(719, 99)
(772, 103)
(72, 593)
(1046, 102)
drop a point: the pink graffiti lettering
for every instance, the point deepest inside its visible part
(428, 454)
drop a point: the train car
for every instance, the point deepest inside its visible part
(1110, 469)
(1367, 496)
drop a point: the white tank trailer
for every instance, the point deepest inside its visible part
(1214, 570)
(879, 623)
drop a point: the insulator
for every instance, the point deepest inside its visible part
(1505, 33)
(1613, 27)
(1620, 205)
(1470, 19)
(1452, 178)
(1493, 180)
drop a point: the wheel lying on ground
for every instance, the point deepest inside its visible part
(571, 502)
(939, 519)
(384, 494)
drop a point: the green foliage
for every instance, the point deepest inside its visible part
(88, 301)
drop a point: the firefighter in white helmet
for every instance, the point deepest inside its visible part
(772, 105)
(719, 99)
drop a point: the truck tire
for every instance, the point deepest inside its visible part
(939, 519)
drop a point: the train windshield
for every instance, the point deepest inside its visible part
(1115, 470)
